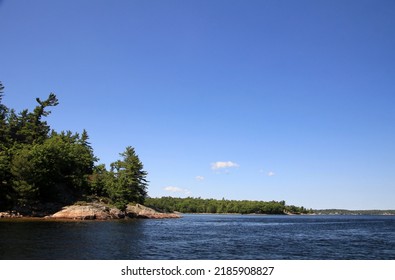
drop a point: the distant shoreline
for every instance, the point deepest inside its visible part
(290, 214)
(354, 212)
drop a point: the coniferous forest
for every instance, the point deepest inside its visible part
(42, 169)
(222, 206)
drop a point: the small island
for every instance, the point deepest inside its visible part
(51, 174)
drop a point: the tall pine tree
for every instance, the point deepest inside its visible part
(129, 179)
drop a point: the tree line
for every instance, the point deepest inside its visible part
(200, 205)
(43, 168)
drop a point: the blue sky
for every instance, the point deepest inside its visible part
(264, 100)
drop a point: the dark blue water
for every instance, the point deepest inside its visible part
(203, 237)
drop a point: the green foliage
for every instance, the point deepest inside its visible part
(26, 127)
(3, 119)
(126, 181)
(199, 205)
(5, 199)
(55, 170)
(99, 180)
(38, 166)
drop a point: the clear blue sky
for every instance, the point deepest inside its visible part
(264, 100)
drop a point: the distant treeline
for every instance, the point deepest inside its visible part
(353, 212)
(200, 205)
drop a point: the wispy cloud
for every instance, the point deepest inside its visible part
(199, 178)
(173, 189)
(271, 173)
(223, 164)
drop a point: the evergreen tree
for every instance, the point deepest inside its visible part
(99, 181)
(3, 118)
(5, 190)
(129, 182)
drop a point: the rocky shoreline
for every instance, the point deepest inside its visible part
(99, 211)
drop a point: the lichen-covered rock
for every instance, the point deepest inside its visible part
(89, 211)
(116, 213)
(141, 211)
(98, 211)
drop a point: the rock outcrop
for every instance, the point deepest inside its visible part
(91, 211)
(98, 211)
(141, 211)
(10, 214)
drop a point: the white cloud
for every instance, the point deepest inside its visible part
(199, 178)
(271, 173)
(223, 164)
(173, 189)
(176, 190)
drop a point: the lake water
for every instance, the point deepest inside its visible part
(203, 237)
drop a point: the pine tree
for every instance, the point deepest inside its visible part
(129, 179)
(3, 118)
(5, 175)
